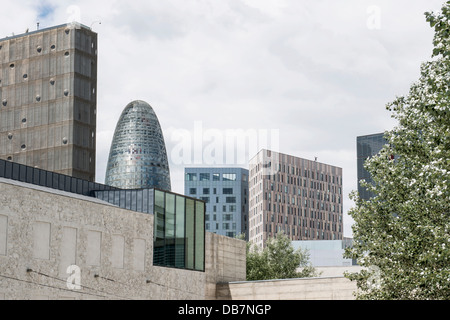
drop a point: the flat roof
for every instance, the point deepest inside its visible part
(54, 191)
(74, 24)
(371, 135)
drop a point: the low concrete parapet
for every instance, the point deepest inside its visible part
(323, 288)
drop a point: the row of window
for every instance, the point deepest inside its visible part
(307, 233)
(225, 226)
(277, 208)
(230, 208)
(227, 199)
(213, 177)
(282, 198)
(298, 172)
(193, 191)
(225, 217)
(319, 186)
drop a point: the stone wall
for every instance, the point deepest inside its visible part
(44, 231)
(326, 288)
(225, 260)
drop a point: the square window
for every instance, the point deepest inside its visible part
(230, 200)
(206, 199)
(191, 177)
(229, 177)
(227, 190)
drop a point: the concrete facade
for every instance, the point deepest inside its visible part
(48, 81)
(225, 261)
(325, 288)
(45, 231)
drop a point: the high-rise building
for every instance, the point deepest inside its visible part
(225, 191)
(138, 158)
(48, 81)
(300, 197)
(366, 147)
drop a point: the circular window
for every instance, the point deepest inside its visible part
(10, 136)
(66, 92)
(4, 102)
(66, 53)
(67, 31)
(38, 98)
(52, 81)
(53, 47)
(25, 76)
(24, 120)
(23, 147)
(39, 49)
(11, 65)
(64, 140)
(9, 158)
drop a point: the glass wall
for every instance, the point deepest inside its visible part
(179, 237)
(40, 177)
(366, 147)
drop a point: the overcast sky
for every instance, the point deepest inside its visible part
(307, 77)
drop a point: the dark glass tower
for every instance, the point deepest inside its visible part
(138, 158)
(366, 147)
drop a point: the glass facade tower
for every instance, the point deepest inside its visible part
(138, 158)
(366, 147)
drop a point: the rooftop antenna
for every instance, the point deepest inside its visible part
(37, 25)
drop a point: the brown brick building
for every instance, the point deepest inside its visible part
(300, 197)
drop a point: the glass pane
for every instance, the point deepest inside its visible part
(170, 230)
(199, 235)
(190, 203)
(139, 194)
(133, 201)
(158, 255)
(145, 201)
(179, 233)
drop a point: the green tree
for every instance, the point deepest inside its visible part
(278, 260)
(402, 233)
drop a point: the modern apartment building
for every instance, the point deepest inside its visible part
(366, 147)
(225, 191)
(48, 108)
(300, 197)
